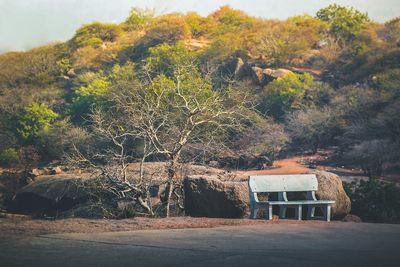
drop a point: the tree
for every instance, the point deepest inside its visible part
(167, 114)
(312, 128)
(199, 25)
(139, 18)
(283, 42)
(344, 23)
(37, 117)
(230, 19)
(89, 96)
(164, 57)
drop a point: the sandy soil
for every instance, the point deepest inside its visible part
(19, 227)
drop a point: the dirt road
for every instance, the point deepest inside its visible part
(326, 244)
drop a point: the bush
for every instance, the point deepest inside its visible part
(9, 157)
(286, 94)
(167, 29)
(370, 155)
(139, 18)
(312, 128)
(164, 57)
(375, 200)
(96, 33)
(38, 117)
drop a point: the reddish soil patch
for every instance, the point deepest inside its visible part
(284, 166)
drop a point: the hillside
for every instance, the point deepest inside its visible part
(226, 89)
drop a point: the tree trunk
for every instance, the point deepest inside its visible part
(171, 175)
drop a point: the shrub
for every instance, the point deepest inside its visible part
(286, 94)
(164, 57)
(9, 157)
(139, 18)
(312, 128)
(375, 200)
(37, 117)
(344, 23)
(96, 33)
(370, 155)
(127, 213)
(29, 156)
(230, 19)
(199, 25)
(167, 29)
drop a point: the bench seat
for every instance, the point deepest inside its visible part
(282, 184)
(296, 202)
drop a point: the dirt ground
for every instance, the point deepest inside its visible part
(20, 227)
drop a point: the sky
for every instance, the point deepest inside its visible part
(25, 24)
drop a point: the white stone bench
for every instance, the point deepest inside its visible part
(282, 184)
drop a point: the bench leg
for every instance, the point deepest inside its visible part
(327, 213)
(269, 212)
(310, 212)
(298, 212)
(282, 212)
(253, 213)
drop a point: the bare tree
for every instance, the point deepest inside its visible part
(169, 113)
(162, 115)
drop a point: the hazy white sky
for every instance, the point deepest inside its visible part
(28, 23)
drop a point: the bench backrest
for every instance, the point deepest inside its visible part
(283, 183)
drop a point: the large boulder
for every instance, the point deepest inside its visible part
(330, 187)
(50, 193)
(273, 74)
(207, 196)
(264, 76)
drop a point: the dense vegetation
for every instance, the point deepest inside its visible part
(305, 83)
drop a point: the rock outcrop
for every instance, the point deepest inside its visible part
(49, 193)
(207, 196)
(264, 76)
(330, 187)
(273, 74)
(258, 75)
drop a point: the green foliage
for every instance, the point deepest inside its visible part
(168, 29)
(287, 42)
(127, 213)
(95, 34)
(375, 201)
(388, 81)
(230, 19)
(9, 157)
(139, 18)
(199, 26)
(222, 48)
(37, 118)
(165, 57)
(59, 139)
(344, 23)
(90, 95)
(64, 65)
(286, 94)
(85, 73)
